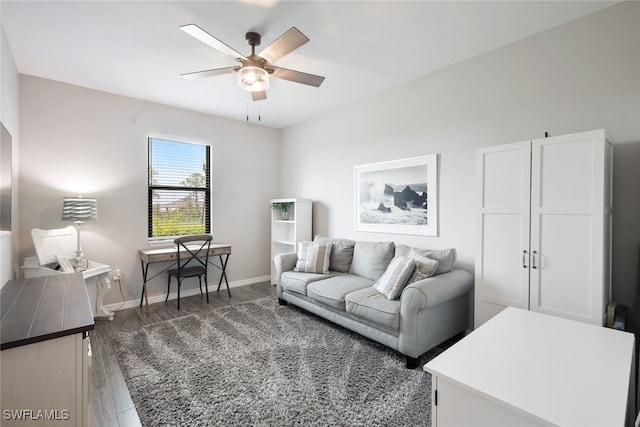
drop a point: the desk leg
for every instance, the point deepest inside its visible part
(145, 294)
(144, 281)
(223, 275)
(105, 286)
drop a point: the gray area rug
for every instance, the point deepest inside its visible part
(262, 364)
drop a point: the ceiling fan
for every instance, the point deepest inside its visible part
(254, 71)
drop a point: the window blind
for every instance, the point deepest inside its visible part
(179, 181)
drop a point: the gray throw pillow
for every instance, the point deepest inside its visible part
(446, 257)
(341, 253)
(425, 267)
(370, 259)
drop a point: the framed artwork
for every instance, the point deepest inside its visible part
(398, 196)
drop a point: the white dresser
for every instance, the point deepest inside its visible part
(531, 369)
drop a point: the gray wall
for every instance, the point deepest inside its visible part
(581, 76)
(77, 141)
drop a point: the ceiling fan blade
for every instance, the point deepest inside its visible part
(209, 73)
(259, 96)
(206, 38)
(287, 42)
(297, 76)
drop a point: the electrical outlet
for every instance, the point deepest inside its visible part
(116, 274)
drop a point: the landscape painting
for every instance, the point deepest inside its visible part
(399, 196)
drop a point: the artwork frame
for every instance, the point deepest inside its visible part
(398, 196)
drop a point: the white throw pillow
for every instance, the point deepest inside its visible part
(395, 277)
(313, 257)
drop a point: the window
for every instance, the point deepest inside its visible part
(179, 188)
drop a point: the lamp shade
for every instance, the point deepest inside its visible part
(79, 209)
(253, 79)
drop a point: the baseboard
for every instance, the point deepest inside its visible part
(186, 293)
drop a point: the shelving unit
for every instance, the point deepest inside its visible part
(286, 233)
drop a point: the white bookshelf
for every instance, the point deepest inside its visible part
(286, 233)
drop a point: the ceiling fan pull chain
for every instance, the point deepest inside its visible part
(247, 100)
(259, 110)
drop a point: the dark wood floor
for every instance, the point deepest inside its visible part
(110, 403)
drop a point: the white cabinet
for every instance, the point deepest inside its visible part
(286, 233)
(544, 227)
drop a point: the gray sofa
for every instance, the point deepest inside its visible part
(347, 292)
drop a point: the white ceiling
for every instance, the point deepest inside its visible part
(134, 48)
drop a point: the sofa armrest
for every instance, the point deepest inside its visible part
(435, 290)
(284, 262)
(433, 310)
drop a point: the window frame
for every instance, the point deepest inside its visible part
(208, 223)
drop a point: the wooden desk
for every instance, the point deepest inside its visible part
(530, 369)
(45, 351)
(169, 254)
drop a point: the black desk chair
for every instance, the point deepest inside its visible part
(187, 251)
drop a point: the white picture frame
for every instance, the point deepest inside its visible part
(398, 196)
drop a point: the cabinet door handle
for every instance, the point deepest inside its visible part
(524, 259)
(533, 261)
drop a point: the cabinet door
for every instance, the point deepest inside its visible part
(48, 375)
(502, 275)
(462, 406)
(567, 276)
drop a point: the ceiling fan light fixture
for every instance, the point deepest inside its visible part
(253, 79)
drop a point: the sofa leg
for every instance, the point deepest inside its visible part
(282, 302)
(412, 362)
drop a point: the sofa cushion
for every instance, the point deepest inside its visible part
(446, 257)
(374, 307)
(395, 277)
(425, 267)
(341, 253)
(292, 281)
(370, 259)
(332, 291)
(313, 257)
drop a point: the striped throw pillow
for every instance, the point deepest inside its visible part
(395, 277)
(313, 258)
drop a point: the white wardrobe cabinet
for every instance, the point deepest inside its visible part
(286, 233)
(544, 226)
